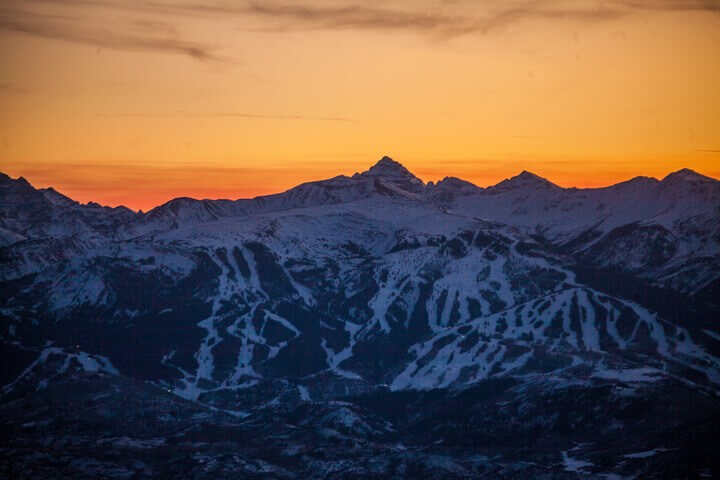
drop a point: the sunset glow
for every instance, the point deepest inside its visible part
(136, 103)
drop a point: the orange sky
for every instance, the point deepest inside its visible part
(134, 103)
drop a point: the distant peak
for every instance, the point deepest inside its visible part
(385, 160)
(56, 198)
(387, 167)
(687, 175)
(7, 179)
(454, 183)
(524, 180)
(525, 175)
(636, 182)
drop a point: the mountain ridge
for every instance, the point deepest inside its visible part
(386, 165)
(678, 213)
(374, 322)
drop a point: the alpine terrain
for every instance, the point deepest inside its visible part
(371, 326)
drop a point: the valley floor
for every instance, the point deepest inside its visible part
(108, 426)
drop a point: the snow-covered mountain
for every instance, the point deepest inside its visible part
(339, 306)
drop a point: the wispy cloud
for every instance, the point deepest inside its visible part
(435, 17)
(671, 5)
(148, 25)
(134, 36)
(228, 115)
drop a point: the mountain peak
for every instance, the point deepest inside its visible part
(524, 180)
(529, 176)
(387, 167)
(687, 175)
(454, 184)
(8, 180)
(57, 198)
(385, 160)
(387, 172)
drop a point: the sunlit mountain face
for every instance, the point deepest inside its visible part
(365, 326)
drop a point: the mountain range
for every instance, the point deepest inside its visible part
(365, 326)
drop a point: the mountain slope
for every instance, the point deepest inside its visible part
(346, 313)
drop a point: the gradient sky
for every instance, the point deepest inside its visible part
(137, 102)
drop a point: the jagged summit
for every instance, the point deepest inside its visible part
(392, 178)
(454, 183)
(529, 176)
(388, 163)
(14, 182)
(524, 180)
(57, 198)
(387, 167)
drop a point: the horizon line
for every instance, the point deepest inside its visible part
(425, 183)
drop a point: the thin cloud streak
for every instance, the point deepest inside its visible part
(465, 20)
(227, 115)
(141, 37)
(439, 18)
(435, 18)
